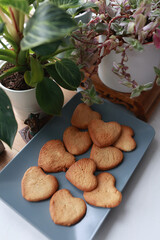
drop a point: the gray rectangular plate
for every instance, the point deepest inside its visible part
(38, 213)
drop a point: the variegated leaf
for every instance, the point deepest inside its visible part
(48, 24)
(66, 3)
(21, 5)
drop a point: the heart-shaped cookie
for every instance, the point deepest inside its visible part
(106, 158)
(65, 209)
(76, 141)
(37, 186)
(53, 157)
(81, 174)
(82, 115)
(104, 134)
(126, 141)
(105, 195)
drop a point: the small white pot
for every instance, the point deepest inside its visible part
(23, 102)
(141, 67)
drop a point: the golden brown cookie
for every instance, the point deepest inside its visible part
(82, 115)
(105, 195)
(53, 157)
(81, 174)
(76, 141)
(126, 141)
(107, 157)
(37, 186)
(65, 209)
(104, 134)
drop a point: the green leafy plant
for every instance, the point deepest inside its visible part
(33, 35)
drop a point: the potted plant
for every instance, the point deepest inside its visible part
(120, 35)
(33, 34)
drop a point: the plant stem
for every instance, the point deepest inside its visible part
(37, 3)
(83, 41)
(14, 17)
(8, 24)
(112, 20)
(21, 21)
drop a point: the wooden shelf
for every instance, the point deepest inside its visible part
(141, 106)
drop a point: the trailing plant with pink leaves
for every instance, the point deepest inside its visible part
(127, 24)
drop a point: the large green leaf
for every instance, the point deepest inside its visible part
(86, 6)
(21, 5)
(69, 72)
(49, 96)
(47, 49)
(8, 124)
(54, 74)
(65, 4)
(31, 1)
(48, 24)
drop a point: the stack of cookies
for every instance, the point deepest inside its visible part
(107, 141)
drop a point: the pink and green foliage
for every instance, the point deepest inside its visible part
(123, 24)
(156, 38)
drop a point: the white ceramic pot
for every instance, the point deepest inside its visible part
(24, 102)
(141, 67)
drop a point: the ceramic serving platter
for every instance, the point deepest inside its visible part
(37, 214)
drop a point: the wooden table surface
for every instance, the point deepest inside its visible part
(19, 143)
